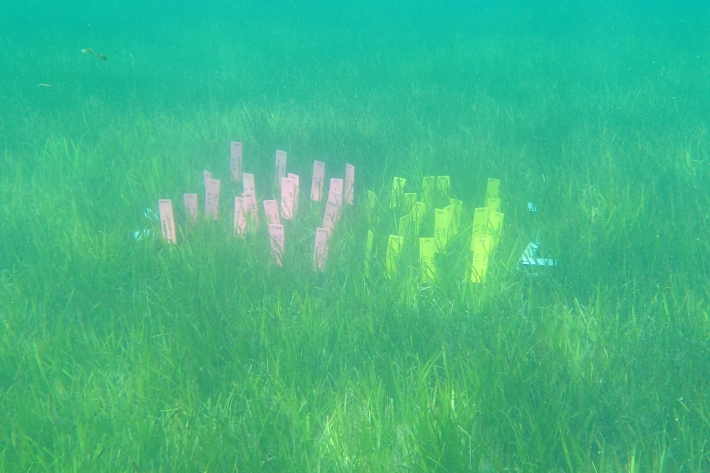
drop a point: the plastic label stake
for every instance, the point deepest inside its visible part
(481, 252)
(443, 185)
(418, 212)
(250, 206)
(427, 253)
(167, 222)
(317, 183)
(442, 222)
(456, 215)
(495, 225)
(408, 200)
(288, 196)
(398, 184)
(320, 251)
(190, 202)
(428, 188)
(235, 161)
(280, 167)
(493, 204)
(336, 187)
(248, 183)
(332, 212)
(296, 191)
(212, 198)
(480, 224)
(492, 191)
(349, 183)
(368, 252)
(271, 209)
(240, 217)
(276, 234)
(405, 225)
(393, 255)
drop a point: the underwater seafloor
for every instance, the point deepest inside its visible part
(121, 352)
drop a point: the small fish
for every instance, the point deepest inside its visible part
(89, 51)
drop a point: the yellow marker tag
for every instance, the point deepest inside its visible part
(481, 252)
(495, 225)
(394, 253)
(368, 252)
(442, 220)
(492, 189)
(493, 204)
(405, 224)
(480, 224)
(456, 216)
(428, 187)
(418, 212)
(408, 199)
(427, 251)
(443, 185)
(397, 191)
(371, 200)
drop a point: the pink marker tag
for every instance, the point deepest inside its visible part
(318, 178)
(190, 202)
(250, 206)
(332, 212)
(207, 175)
(280, 167)
(276, 234)
(336, 188)
(320, 251)
(349, 183)
(236, 160)
(271, 209)
(212, 198)
(288, 191)
(167, 222)
(296, 191)
(240, 217)
(248, 183)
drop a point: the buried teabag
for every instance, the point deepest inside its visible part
(530, 259)
(153, 219)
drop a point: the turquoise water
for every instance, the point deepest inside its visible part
(126, 354)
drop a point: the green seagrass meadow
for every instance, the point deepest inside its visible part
(127, 355)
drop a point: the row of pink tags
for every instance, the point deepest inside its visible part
(245, 207)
